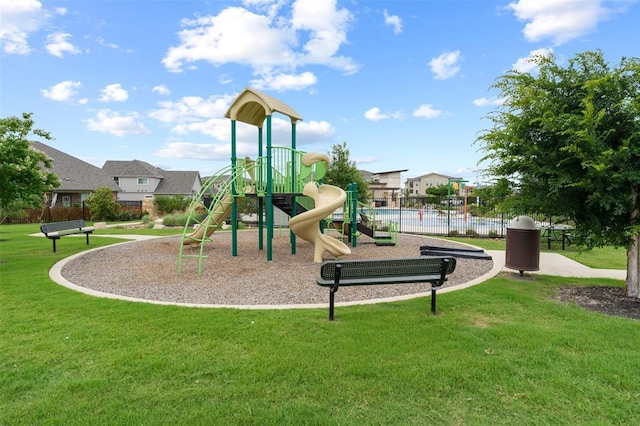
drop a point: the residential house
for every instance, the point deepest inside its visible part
(385, 187)
(139, 180)
(78, 178)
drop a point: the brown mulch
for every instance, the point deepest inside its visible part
(605, 299)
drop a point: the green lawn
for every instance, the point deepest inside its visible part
(502, 352)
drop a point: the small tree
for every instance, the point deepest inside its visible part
(568, 139)
(102, 204)
(342, 172)
(24, 178)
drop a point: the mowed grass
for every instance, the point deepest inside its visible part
(502, 352)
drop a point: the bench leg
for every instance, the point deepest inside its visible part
(54, 245)
(87, 234)
(433, 300)
(331, 304)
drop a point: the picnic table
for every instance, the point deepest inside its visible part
(558, 232)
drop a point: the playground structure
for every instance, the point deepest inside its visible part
(284, 178)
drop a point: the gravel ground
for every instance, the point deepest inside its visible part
(149, 270)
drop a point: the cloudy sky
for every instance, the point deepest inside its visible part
(406, 84)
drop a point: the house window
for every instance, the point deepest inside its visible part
(116, 180)
(143, 181)
(66, 201)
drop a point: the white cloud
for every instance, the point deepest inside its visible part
(427, 111)
(192, 109)
(20, 18)
(285, 81)
(58, 44)
(108, 121)
(246, 139)
(446, 65)
(374, 114)
(561, 20)
(161, 89)
(527, 64)
(114, 93)
(193, 114)
(482, 102)
(63, 91)
(195, 151)
(267, 42)
(393, 21)
(309, 132)
(61, 11)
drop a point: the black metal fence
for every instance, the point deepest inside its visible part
(455, 217)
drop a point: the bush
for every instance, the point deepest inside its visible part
(102, 204)
(127, 215)
(168, 205)
(175, 220)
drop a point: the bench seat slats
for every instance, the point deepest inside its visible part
(55, 230)
(429, 269)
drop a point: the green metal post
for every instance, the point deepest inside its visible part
(354, 213)
(234, 211)
(260, 199)
(294, 184)
(448, 207)
(269, 195)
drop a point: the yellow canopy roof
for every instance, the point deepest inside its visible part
(252, 107)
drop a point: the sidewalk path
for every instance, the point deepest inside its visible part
(561, 266)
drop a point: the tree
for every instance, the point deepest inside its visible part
(568, 139)
(440, 191)
(102, 204)
(342, 172)
(24, 178)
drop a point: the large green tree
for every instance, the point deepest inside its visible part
(343, 171)
(24, 178)
(568, 138)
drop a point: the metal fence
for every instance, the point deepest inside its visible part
(449, 218)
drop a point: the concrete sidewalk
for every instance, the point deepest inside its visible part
(561, 266)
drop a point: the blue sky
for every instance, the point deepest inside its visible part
(406, 84)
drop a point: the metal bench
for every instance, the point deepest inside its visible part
(424, 269)
(56, 230)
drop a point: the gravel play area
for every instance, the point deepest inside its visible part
(148, 270)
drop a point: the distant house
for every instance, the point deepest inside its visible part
(79, 178)
(418, 186)
(386, 187)
(139, 180)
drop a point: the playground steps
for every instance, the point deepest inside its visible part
(380, 238)
(285, 203)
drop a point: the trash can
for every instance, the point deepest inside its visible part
(523, 245)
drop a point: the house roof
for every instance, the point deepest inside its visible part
(171, 182)
(76, 175)
(132, 168)
(432, 174)
(391, 171)
(176, 182)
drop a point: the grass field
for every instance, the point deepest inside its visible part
(502, 352)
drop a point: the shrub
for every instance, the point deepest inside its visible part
(102, 204)
(168, 205)
(175, 220)
(127, 215)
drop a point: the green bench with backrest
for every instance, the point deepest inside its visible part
(424, 269)
(56, 230)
